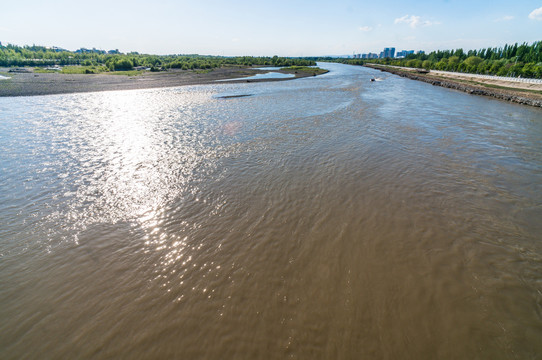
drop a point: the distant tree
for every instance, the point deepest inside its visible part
(123, 64)
(459, 53)
(516, 69)
(442, 64)
(529, 70)
(414, 63)
(453, 60)
(473, 61)
(495, 66)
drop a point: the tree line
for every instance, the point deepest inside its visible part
(524, 60)
(40, 56)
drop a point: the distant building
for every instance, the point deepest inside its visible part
(58, 49)
(387, 53)
(89, 51)
(368, 56)
(404, 53)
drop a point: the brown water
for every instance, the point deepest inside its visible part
(330, 217)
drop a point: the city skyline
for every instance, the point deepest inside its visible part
(298, 28)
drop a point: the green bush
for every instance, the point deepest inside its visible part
(427, 64)
(473, 61)
(123, 64)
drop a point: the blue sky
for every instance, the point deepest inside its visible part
(285, 28)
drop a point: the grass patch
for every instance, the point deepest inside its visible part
(44, 71)
(305, 69)
(205, 71)
(77, 70)
(127, 72)
(88, 70)
(83, 69)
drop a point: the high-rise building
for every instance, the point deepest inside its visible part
(388, 53)
(404, 53)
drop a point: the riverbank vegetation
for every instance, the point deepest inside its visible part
(97, 61)
(306, 69)
(515, 60)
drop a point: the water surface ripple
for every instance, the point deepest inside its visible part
(325, 217)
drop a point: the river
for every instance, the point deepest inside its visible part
(325, 217)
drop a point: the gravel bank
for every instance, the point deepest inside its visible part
(31, 84)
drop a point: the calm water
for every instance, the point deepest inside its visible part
(328, 217)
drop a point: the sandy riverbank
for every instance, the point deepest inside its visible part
(29, 84)
(508, 91)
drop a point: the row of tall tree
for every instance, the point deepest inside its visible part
(524, 60)
(13, 55)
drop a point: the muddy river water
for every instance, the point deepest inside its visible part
(325, 217)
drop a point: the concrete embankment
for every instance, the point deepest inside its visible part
(503, 94)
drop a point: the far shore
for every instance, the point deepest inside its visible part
(31, 84)
(507, 91)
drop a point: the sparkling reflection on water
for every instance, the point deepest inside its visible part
(325, 217)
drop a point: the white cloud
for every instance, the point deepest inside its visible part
(505, 18)
(414, 21)
(365, 28)
(536, 14)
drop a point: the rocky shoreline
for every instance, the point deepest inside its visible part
(501, 94)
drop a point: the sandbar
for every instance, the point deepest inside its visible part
(31, 84)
